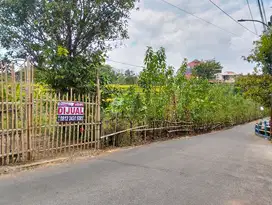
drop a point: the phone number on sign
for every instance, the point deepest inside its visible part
(70, 118)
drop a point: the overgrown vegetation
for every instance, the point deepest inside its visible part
(256, 87)
(166, 96)
(261, 54)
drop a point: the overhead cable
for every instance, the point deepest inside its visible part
(208, 22)
(138, 66)
(231, 17)
(264, 13)
(250, 11)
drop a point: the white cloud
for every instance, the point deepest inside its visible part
(183, 36)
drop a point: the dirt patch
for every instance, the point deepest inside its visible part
(88, 154)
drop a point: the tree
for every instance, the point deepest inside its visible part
(156, 72)
(256, 87)
(108, 74)
(208, 69)
(130, 77)
(262, 53)
(180, 76)
(65, 38)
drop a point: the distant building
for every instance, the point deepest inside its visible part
(190, 66)
(226, 77)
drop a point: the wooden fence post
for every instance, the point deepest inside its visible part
(98, 117)
(130, 132)
(29, 101)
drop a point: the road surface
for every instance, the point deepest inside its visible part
(231, 167)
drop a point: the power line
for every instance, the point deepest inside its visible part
(138, 66)
(250, 11)
(231, 17)
(264, 11)
(261, 13)
(187, 12)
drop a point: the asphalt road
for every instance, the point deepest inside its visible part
(231, 167)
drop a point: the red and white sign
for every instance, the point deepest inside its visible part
(70, 111)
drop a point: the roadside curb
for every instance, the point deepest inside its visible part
(6, 170)
(13, 169)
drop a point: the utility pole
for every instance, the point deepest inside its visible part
(266, 26)
(264, 13)
(261, 13)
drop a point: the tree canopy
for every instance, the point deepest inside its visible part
(111, 76)
(262, 53)
(256, 87)
(156, 72)
(207, 69)
(67, 38)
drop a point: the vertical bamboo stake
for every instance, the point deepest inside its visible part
(98, 109)
(61, 131)
(7, 117)
(69, 123)
(74, 129)
(35, 126)
(88, 113)
(2, 116)
(13, 101)
(32, 110)
(22, 116)
(50, 124)
(58, 131)
(85, 121)
(29, 106)
(16, 121)
(153, 126)
(97, 125)
(36, 117)
(26, 113)
(81, 128)
(54, 123)
(78, 127)
(145, 131)
(27, 101)
(65, 127)
(130, 133)
(45, 126)
(92, 123)
(40, 123)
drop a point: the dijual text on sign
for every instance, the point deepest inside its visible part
(70, 112)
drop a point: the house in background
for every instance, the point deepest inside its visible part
(226, 77)
(190, 66)
(223, 77)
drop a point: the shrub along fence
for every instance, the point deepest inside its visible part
(184, 108)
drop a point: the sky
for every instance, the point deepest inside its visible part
(158, 24)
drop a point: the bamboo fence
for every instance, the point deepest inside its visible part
(29, 127)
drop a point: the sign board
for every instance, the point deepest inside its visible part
(70, 112)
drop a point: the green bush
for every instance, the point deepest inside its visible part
(166, 96)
